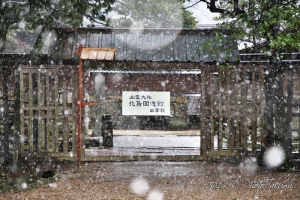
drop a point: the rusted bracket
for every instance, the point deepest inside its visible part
(92, 103)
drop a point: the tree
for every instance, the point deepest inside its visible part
(31, 14)
(270, 27)
(152, 14)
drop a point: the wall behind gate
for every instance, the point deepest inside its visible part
(185, 93)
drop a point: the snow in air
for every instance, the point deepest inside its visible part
(274, 156)
(139, 186)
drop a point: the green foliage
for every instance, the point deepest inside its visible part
(269, 26)
(221, 46)
(152, 14)
(30, 14)
(272, 26)
(189, 21)
(224, 68)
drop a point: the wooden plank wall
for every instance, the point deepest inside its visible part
(48, 110)
(232, 109)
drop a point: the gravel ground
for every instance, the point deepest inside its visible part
(165, 180)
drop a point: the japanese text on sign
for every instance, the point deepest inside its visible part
(145, 103)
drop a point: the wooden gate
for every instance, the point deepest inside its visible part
(48, 110)
(232, 111)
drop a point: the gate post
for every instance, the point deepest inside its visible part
(79, 105)
(203, 130)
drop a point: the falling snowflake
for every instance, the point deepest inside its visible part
(274, 156)
(155, 195)
(139, 186)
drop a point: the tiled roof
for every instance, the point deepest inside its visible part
(181, 45)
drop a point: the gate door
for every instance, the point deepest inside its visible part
(48, 111)
(232, 107)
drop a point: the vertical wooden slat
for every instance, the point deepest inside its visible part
(40, 119)
(228, 94)
(254, 113)
(41, 134)
(227, 110)
(269, 111)
(202, 115)
(238, 134)
(43, 114)
(74, 100)
(17, 113)
(220, 133)
(210, 119)
(238, 88)
(48, 115)
(220, 109)
(233, 104)
(233, 88)
(289, 111)
(56, 135)
(210, 134)
(52, 134)
(243, 133)
(30, 104)
(244, 112)
(74, 126)
(22, 129)
(263, 126)
(211, 91)
(65, 118)
(230, 140)
(244, 92)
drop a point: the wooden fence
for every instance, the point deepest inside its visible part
(48, 110)
(39, 103)
(232, 110)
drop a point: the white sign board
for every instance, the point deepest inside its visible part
(145, 103)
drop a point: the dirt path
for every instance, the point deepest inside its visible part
(166, 180)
